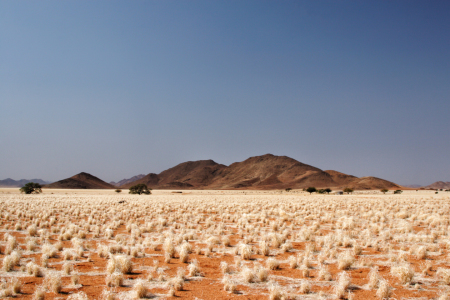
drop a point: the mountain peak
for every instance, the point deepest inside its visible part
(81, 180)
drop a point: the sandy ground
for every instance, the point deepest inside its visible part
(315, 231)
(218, 192)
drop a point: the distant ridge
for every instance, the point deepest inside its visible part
(8, 182)
(438, 185)
(413, 186)
(125, 181)
(80, 181)
(259, 172)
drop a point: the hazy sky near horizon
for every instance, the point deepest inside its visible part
(120, 88)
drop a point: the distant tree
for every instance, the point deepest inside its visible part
(311, 190)
(140, 189)
(348, 190)
(327, 190)
(398, 191)
(384, 191)
(321, 191)
(118, 191)
(288, 189)
(31, 188)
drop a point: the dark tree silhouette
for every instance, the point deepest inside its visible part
(311, 190)
(348, 190)
(140, 189)
(31, 188)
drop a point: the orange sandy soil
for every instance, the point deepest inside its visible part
(209, 286)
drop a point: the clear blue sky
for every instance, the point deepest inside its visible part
(119, 88)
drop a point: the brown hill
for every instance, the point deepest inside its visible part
(341, 178)
(191, 174)
(80, 181)
(371, 183)
(258, 172)
(438, 185)
(270, 171)
(364, 183)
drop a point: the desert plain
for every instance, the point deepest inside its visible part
(217, 244)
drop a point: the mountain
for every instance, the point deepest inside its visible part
(80, 181)
(362, 183)
(8, 182)
(341, 178)
(258, 172)
(439, 185)
(125, 181)
(270, 171)
(191, 174)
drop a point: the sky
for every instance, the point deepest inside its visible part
(120, 88)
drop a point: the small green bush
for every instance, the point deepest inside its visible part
(348, 190)
(311, 190)
(31, 188)
(140, 189)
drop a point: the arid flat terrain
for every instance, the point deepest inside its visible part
(213, 244)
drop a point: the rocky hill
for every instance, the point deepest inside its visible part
(258, 172)
(191, 174)
(80, 181)
(438, 185)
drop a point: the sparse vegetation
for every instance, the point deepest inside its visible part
(276, 245)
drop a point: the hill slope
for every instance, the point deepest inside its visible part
(80, 181)
(439, 185)
(191, 174)
(363, 183)
(258, 172)
(270, 171)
